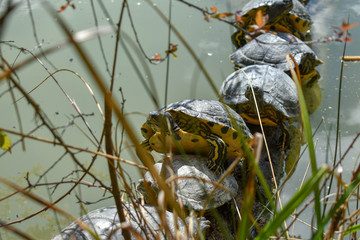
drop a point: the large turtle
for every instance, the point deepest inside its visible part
(275, 94)
(292, 17)
(195, 184)
(271, 49)
(205, 127)
(145, 220)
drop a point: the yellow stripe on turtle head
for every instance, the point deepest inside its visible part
(254, 120)
(310, 78)
(146, 131)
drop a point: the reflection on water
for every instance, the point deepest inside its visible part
(210, 41)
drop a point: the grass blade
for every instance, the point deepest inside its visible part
(293, 203)
(308, 133)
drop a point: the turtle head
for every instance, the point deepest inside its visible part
(147, 131)
(278, 9)
(309, 79)
(308, 63)
(162, 122)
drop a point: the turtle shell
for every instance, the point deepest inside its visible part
(275, 93)
(271, 49)
(210, 111)
(145, 220)
(194, 183)
(205, 127)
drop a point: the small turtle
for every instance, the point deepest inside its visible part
(271, 49)
(294, 19)
(297, 21)
(206, 127)
(195, 184)
(145, 220)
(274, 9)
(275, 93)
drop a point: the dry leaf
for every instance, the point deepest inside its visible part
(213, 9)
(259, 20)
(225, 15)
(346, 26)
(62, 8)
(157, 57)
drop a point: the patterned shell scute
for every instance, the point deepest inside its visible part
(209, 110)
(272, 49)
(278, 89)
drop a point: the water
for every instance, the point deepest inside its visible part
(211, 43)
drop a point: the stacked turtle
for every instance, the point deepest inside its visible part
(104, 223)
(198, 138)
(204, 127)
(201, 138)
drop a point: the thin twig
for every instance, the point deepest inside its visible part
(76, 148)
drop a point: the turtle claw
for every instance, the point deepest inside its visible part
(146, 146)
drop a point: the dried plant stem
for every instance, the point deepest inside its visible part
(49, 126)
(351, 58)
(112, 169)
(108, 139)
(16, 231)
(75, 147)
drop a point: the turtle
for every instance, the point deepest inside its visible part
(294, 19)
(274, 91)
(205, 127)
(274, 9)
(271, 49)
(195, 184)
(297, 21)
(143, 219)
(200, 191)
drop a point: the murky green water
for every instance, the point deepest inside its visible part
(211, 43)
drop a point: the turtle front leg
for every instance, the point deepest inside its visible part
(217, 154)
(146, 146)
